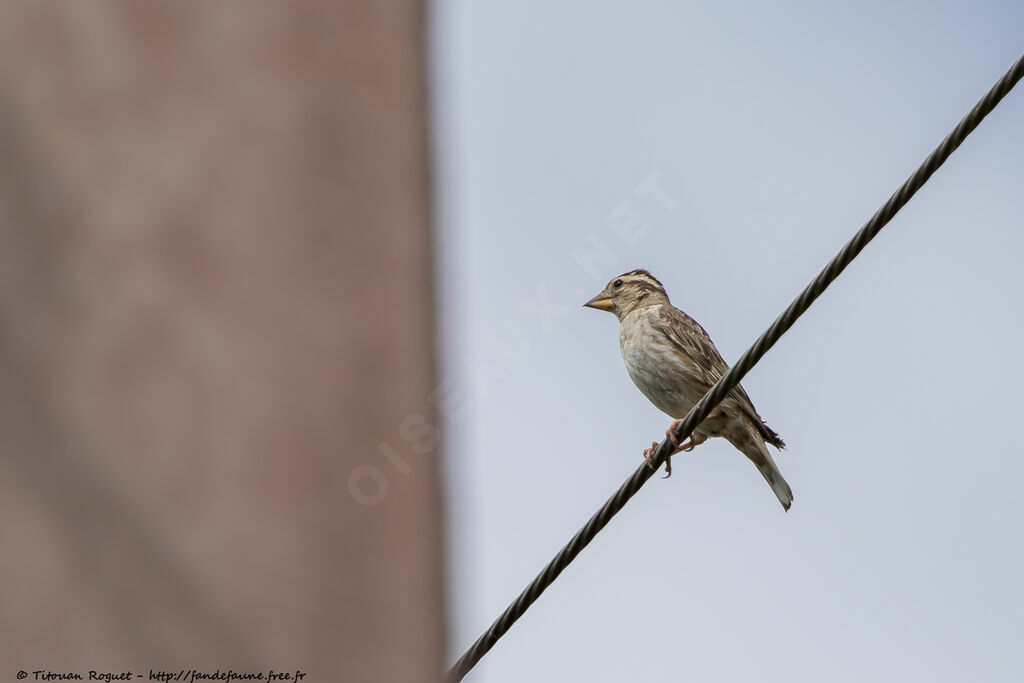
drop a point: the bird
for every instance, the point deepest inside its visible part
(673, 362)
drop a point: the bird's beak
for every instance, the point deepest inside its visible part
(601, 302)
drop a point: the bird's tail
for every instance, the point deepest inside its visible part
(754, 448)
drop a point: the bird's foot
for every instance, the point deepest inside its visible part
(649, 454)
(687, 445)
(649, 457)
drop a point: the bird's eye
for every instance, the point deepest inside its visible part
(617, 284)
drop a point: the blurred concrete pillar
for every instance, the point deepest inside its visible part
(216, 344)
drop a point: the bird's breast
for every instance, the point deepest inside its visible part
(653, 364)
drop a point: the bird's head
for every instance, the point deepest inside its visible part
(629, 291)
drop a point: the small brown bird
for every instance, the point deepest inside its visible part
(672, 360)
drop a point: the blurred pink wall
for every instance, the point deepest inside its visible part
(215, 306)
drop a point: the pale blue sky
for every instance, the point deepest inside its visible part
(775, 131)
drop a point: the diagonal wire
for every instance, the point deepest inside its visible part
(729, 381)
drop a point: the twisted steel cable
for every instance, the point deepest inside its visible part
(729, 381)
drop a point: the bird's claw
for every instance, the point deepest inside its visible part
(649, 454)
(685, 446)
(649, 457)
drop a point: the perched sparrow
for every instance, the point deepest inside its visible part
(672, 361)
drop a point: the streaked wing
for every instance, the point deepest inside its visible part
(706, 364)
